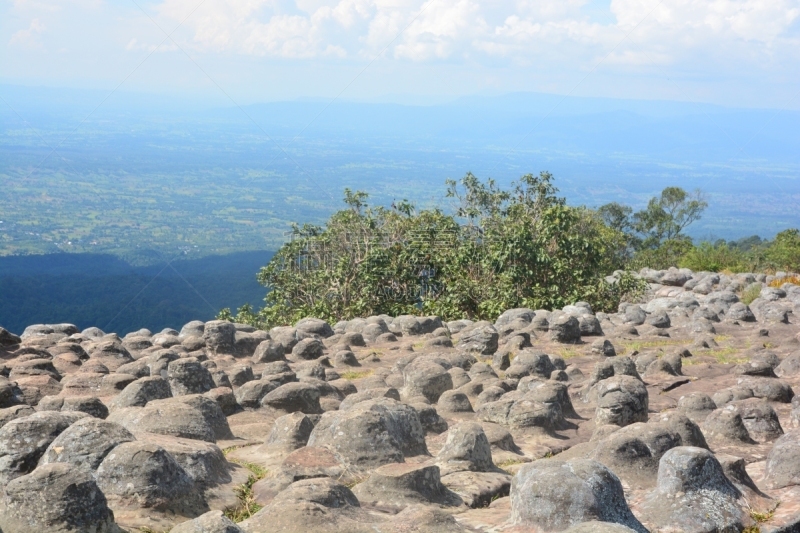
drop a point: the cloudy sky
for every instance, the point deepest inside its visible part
(731, 52)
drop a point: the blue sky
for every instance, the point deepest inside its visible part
(743, 53)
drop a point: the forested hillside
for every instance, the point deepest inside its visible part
(103, 291)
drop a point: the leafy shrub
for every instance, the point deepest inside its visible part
(784, 252)
(716, 257)
(518, 248)
(669, 254)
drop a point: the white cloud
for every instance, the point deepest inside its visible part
(28, 37)
(479, 30)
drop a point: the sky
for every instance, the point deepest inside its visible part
(739, 53)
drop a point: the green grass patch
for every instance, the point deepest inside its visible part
(568, 353)
(355, 374)
(723, 355)
(247, 506)
(750, 294)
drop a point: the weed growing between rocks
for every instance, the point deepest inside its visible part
(761, 517)
(750, 294)
(247, 504)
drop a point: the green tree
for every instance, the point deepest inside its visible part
(784, 251)
(666, 216)
(502, 249)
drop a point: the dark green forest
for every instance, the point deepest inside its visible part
(104, 291)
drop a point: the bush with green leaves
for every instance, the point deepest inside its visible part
(501, 249)
(784, 252)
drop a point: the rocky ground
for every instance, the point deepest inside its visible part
(673, 415)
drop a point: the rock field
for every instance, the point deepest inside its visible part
(675, 414)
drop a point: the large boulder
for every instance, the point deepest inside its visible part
(142, 475)
(290, 432)
(210, 522)
(23, 441)
(313, 328)
(192, 417)
(268, 351)
(466, 449)
(398, 485)
(90, 405)
(293, 397)
(530, 363)
(55, 498)
(86, 443)
(555, 495)
(308, 348)
(564, 328)
(783, 462)
(219, 336)
(621, 400)
(525, 412)
(693, 495)
(480, 337)
(423, 377)
(141, 391)
(371, 433)
(189, 376)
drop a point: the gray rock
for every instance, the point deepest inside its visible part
(423, 377)
(480, 337)
(726, 425)
(189, 376)
(530, 363)
(603, 347)
(55, 498)
(293, 397)
(522, 413)
(219, 336)
(23, 441)
(783, 462)
(86, 443)
(290, 432)
(240, 374)
(556, 495)
(210, 522)
(453, 401)
(90, 405)
(634, 315)
(268, 351)
(466, 449)
(395, 486)
(599, 527)
(693, 495)
(308, 348)
(371, 433)
(195, 328)
(740, 312)
(246, 343)
(589, 325)
(141, 391)
(520, 313)
(430, 419)
(8, 339)
(564, 328)
(10, 413)
(313, 328)
(142, 474)
(192, 417)
(790, 366)
(759, 418)
(621, 400)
